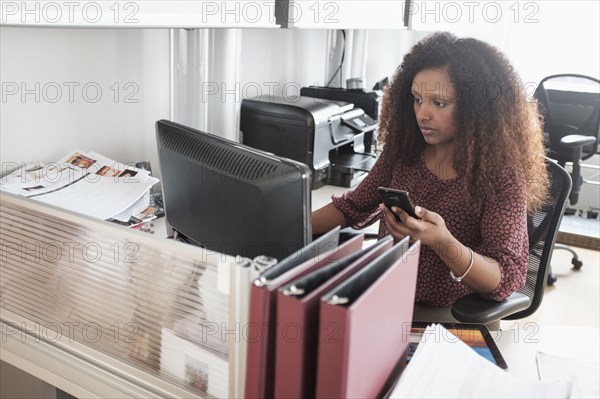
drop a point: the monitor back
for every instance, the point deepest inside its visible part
(231, 198)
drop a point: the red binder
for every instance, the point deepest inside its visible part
(261, 327)
(298, 321)
(362, 325)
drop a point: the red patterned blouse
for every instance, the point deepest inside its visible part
(495, 226)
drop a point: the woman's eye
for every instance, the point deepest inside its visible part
(439, 104)
(418, 100)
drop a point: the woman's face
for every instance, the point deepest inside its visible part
(434, 105)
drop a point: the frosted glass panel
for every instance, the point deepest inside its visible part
(158, 306)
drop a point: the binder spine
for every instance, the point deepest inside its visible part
(258, 343)
(291, 348)
(332, 361)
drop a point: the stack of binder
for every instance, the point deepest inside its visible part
(332, 322)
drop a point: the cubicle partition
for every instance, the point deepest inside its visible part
(97, 309)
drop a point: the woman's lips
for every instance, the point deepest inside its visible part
(426, 130)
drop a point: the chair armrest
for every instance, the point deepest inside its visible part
(473, 308)
(577, 140)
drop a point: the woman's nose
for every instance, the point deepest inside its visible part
(423, 113)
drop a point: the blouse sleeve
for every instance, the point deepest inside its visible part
(504, 235)
(360, 206)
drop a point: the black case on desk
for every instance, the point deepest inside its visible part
(326, 135)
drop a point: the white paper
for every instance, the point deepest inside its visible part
(38, 178)
(139, 206)
(100, 199)
(448, 368)
(584, 375)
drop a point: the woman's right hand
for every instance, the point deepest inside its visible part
(430, 228)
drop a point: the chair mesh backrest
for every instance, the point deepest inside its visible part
(542, 230)
(569, 104)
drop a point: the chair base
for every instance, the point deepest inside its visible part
(575, 261)
(577, 264)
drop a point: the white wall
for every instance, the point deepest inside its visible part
(541, 38)
(562, 37)
(130, 67)
(297, 58)
(386, 48)
(281, 59)
(40, 124)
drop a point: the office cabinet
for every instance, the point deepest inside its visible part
(312, 14)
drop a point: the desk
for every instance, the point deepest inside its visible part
(441, 368)
(322, 195)
(519, 346)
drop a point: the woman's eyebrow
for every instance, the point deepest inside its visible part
(428, 92)
(435, 94)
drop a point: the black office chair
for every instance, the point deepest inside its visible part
(542, 230)
(570, 106)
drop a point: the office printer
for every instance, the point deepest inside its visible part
(369, 101)
(327, 135)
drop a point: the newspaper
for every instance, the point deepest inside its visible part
(84, 182)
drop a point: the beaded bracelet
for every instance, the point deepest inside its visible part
(459, 279)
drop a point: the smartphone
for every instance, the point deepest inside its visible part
(399, 199)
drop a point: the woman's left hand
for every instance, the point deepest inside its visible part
(430, 228)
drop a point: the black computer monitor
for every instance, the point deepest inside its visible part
(231, 198)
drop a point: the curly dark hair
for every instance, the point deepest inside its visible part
(496, 124)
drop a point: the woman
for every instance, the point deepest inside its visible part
(460, 136)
